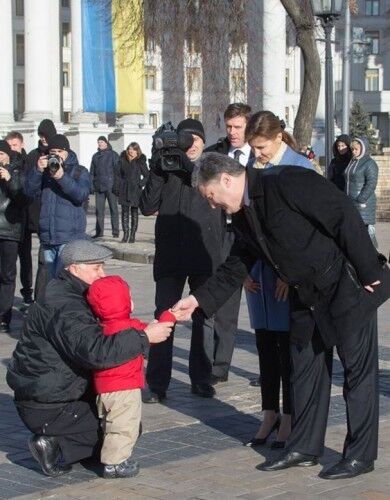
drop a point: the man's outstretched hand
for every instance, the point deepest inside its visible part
(184, 308)
(158, 332)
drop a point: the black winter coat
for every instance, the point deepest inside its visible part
(131, 177)
(188, 232)
(339, 162)
(61, 343)
(313, 237)
(102, 170)
(12, 205)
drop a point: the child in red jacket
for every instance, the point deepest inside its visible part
(118, 388)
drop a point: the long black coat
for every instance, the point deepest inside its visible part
(60, 345)
(314, 238)
(131, 177)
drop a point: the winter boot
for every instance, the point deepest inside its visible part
(125, 223)
(134, 224)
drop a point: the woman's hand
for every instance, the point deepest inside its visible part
(281, 291)
(250, 285)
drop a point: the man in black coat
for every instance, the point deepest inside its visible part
(234, 145)
(314, 238)
(102, 173)
(51, 366)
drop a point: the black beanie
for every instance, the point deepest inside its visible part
(102, 138)
(47, 129)
(193, 127)
(4, 147)
(59, 141)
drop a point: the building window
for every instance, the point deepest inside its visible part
(194, 79)
(374, 121)
(19, 7)
(65, 3)
(238, 81)
(150, 78)
(65, 75)
(193, 112)
(287, 80)
(372, 7)
(153, 118)
(373, 38)
(65, 34)
(20, 98)
(19, 50)
(372, 80)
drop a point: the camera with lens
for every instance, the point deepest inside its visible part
(169, 148)
(53, 163)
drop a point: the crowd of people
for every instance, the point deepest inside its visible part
(248, 213)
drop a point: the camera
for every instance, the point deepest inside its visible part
(169, 148)
(53, 163)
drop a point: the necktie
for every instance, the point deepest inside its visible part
(237, 153)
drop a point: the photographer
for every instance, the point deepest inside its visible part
(64, 187)
(189, 240)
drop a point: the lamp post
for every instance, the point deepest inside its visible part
(328, 11)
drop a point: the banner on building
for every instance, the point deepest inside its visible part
(113, 56)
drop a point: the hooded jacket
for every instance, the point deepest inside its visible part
(361, 177)
(339, 162)
(102, 169)
(62, 217)
(110, 301)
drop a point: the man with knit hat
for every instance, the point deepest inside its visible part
(51, 367)
(189, 239)
(64, 188)
(102, 173)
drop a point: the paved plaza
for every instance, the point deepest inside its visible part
(192, 447)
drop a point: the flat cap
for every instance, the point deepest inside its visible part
(84, 252)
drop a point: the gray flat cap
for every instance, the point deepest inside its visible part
(84, 252)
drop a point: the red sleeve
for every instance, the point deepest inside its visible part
(137, 324)
(167, 316)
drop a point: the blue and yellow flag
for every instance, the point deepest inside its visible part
(113, 56)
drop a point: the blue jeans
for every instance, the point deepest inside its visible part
(51, 255)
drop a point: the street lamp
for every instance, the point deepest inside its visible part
(328, 11)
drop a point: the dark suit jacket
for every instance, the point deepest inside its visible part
(314, 238)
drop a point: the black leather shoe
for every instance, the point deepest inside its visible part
(154, 397)
(290, 459)
(47, 453)
(347, 468)
(214, 380)
(260, 441)
(203, 390)
(275, 445)
(128, 468)
(254, 382)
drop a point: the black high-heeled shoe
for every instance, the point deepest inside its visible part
(259, 441)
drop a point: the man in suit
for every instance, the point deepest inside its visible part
(314, 238)
(234, 145)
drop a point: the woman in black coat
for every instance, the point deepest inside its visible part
(131, 176)
(341, 157)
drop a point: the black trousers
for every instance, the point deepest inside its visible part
(26, 268)
(100, 209)
(225, 330)
(8, 256)
(311, 383)
(75, 425)
(159, 370)
(274, 361)
(41, 278)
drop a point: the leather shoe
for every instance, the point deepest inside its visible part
(275, 445)
(254, 382)
(260, 441)
(215, 379)
(47, 453)
(128, 468)
(290, 459)
(347, 468)
(154, 397)
(203, 390)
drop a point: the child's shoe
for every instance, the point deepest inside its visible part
(128, 468)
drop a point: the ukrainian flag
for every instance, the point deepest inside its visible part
(113, 56)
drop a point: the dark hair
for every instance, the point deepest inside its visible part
(135, 146)
(266, 124)
(210, 166)
(237, 109)
(14, 135)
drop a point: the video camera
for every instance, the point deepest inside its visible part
(53, 163)
(169, 148)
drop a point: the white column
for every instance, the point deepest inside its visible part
(42, 60)
(274, 57)
(6, 80)
(78, 116)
